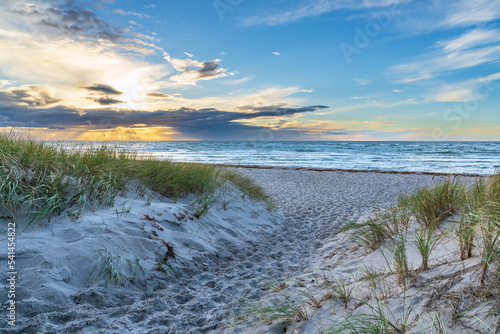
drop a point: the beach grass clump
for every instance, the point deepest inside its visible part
(278, 313)
(39, 180)
(376, 278)
(109, 268)
(400, 258)
(342, 288)
(378, 320)
(46, 187)
(426, 241)
(369, 234)
(466, 232)
(480, 222)
(384, 224)
(490, 252)
(429, 204)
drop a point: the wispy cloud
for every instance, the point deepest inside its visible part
(469, 90)
(470, 39)
(158, 95)
(276, 53)
(372, 104)
(362, 82)
(471, 49)
(467, 13)
(239, 81)
(316, 8)
(122, 12)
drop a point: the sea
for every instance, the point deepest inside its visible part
(464, 157)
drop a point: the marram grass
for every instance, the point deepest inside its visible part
(477, 230)
(39, 180)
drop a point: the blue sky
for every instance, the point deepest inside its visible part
(251, 70)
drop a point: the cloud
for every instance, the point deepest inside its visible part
(161, 95)
(137, 34)
(122, 12)
(473, 48)
(106, 101)
(362, 82)
(276, 53)
(277, 110)
(69, 18)
(151, 6)
(104, 89)
(422, 17)
(475, 89)
(467, 13)
(239, 81)
(193, 71)
(188, 123)
(188, 54)
(372, 104)
(470, 39)
(316, 8)
(30, 96)
(64, 16)
(67, 63)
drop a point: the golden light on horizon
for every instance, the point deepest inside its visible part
(120, 133)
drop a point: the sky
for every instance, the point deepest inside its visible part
(250, 69)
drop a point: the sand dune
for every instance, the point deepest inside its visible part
(115, 271)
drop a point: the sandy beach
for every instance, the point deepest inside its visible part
(150, 265)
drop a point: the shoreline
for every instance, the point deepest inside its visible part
(315, 169)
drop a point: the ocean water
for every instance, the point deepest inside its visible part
(442, 157)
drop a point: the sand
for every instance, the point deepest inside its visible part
(225, 261)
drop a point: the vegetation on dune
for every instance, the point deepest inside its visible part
(40, 180)
(464, 216)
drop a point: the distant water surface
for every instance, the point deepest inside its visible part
(442, 157)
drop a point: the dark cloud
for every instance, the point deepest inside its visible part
(203, 124)
(106, 101)
(103, 89)
(209, 68)
(71, 17)
(277, 110)
(158, 95)
(193, 71)
(33, 96)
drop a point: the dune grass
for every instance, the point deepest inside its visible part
(478, 206)
(39, 180)
(429, 204)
